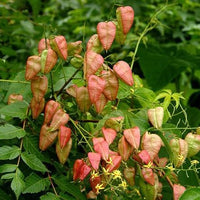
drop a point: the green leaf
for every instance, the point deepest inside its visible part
(9, 153)
(70, 188)
(35, 184)
(30, 144)
(17, 109)
(9, 131)
(17, 184)
(191, 194)
(124, 90)
(36, 5)
(33, 162)
(8, 176)
(49, 196)
(7, 168)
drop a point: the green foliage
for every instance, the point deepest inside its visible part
(192, 193)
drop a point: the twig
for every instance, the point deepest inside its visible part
(50, 179)
(67, 82)
(13, 81)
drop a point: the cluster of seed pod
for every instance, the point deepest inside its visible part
(39, 65)
(101, 81)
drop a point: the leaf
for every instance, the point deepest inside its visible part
(36, 6)
(17, 183)
(7, 168)
(191, 194)
(49, 196)
(33, 162)
(124, 90)
(9, 131)
(9, 153)
(8, 176)
(35, 184)
(70, 188)
(17, 109)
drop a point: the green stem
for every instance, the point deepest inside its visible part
(146, 30)
(13, 81)
(73, 122)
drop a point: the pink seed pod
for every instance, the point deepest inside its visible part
(148, 175)
(47, 137)
(63, 153)
(71, 90)
(142, 157)
(33, 67)
(94, 181)
(152, 144)
(39, 86)
(96, 86)
(124, 148)
(125, 17)
(94, 159)
(48, 60)
(115, 163)
(155, 116)
(132, 135)
(14, 98)
(97, 140)
(123, 71)
(76, 169)
(43, 44)
(50, 109)
(37, 107)
(106, 33)
(100, 103)
(59, 45)
(112, 84)
(103, 149)
(94, 44)
(92, 62)
(109, 134)
(129, 175)
(82, 99)
(59, 118)
(64, 135)
(74, 48)
(178, 190)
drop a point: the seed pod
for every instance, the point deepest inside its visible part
(142, 157)
(100, 103)
(123, 71)
(94, 181)
(92, 62)
(84, 171)
(71, 90)
(193, 141)
(50, 109)
(97, 140)
(155, 116)
(63, 153)
(125, 17)
(91, 195)
(76, 169)
(94, 159)
(74, 48)
(48, 60)
(124, 148)
(148, 175)
(115, 163)
(59, 45)
(64, 135)
(94, 44)
(14, 98)
(103, 149)
(59, 118)
(39, 86)
(179, 148)
(82, 99)
(109, 134)
(178, 190)
(37, 107)
(111, 86)
(106, 33)
(47, 137)
(77, 61)
(43, 44)
(129, 175)
(152, 144)
(132, 135)
(115, 123)
(96, 86)
(33, 67)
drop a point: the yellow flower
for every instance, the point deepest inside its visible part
(170, 167)
(149, 165)
(180, 157)
(109, 161)
(106, 171)
(94, 174)
(99, 187)
(123, 185)
(116, 174)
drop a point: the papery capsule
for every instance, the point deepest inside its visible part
(132, 135)
(94, 159)
(43, 44)
(77, 61)
(115, 163)
(100, 103)
(178, 190)
(155, 116)
(76, 169)
(14, 98)
(94, 44)
(64, 135)
(109, 134)
(74, 48)
(103, 149)
(37, 107)
(129, 175)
